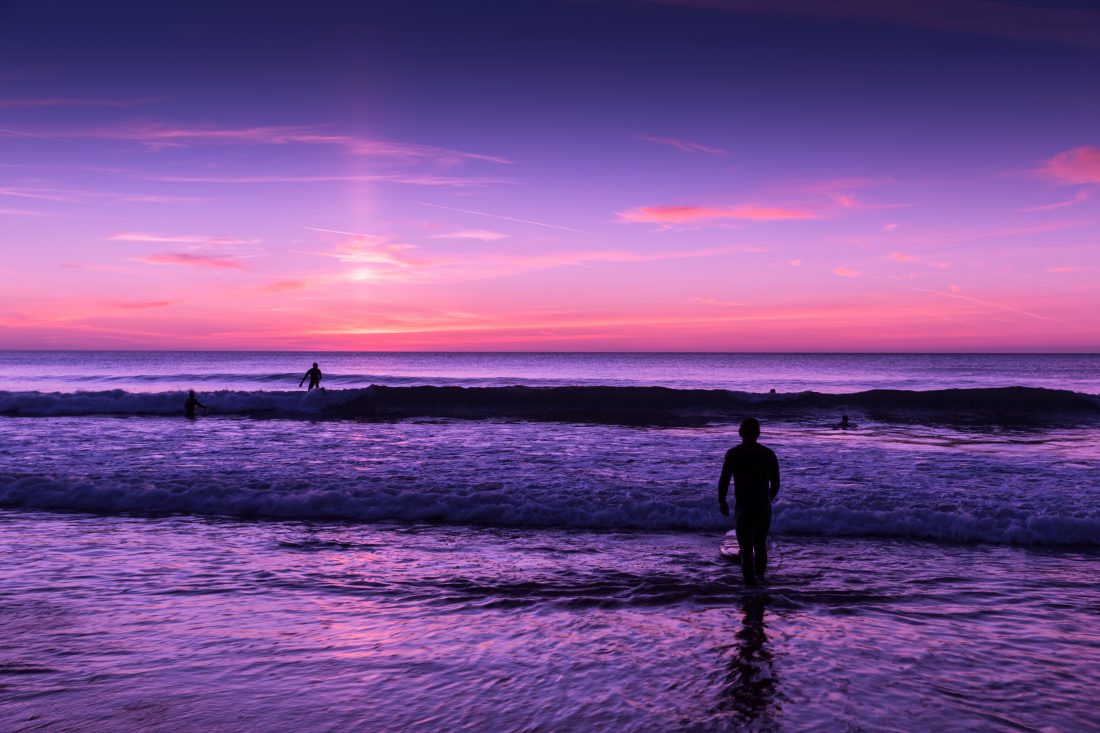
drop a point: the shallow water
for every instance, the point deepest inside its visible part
(183, 623)
(902, 480)
(275, 566)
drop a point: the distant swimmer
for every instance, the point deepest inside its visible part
(844, 423)
(314, 377)
(755, 473)
(191, 403)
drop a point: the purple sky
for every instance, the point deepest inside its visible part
(699, 175)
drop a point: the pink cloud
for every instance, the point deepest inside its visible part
(845, 272)
(690, 213)
(190, 259)
(1072, 268)
(284, 286)
(137, 305)
(1079, 198)
(683, 145)
(1079, 165)
(377, 258)
(902, 257)
(177, 239)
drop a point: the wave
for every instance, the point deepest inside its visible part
(487, 506)
(611, 405)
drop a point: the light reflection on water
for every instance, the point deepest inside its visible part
(180, 623)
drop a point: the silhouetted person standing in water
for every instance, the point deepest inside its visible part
(191, 403)
(314, 377)
(755, 473)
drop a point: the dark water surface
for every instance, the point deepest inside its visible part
(305, 562)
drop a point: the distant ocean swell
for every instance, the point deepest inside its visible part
(493, 506)
(610, 405)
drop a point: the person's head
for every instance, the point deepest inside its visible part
(314, 365)
(749, 430)
(191, 392)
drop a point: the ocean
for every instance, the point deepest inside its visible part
(529, 542)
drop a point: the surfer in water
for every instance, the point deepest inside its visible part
(755, 473)
(191, 403)
(314, 377)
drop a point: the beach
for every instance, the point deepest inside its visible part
(278, 565)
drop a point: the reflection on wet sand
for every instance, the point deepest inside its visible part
(749, 688)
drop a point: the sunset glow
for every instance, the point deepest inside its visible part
(661, 176)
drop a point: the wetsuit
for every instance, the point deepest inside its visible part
(755, 472)
(314, 375)
(190, 404)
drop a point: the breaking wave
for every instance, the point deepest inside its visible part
(611, 405)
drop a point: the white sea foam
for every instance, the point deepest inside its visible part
(545, 508)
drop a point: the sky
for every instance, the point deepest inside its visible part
(550, 175)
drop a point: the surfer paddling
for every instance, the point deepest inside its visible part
(755, 473)
(314, 377)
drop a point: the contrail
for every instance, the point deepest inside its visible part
(505, 218)
(52, 139)
(1008, 308)
(337, 231)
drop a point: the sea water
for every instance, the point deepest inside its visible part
(396, 553)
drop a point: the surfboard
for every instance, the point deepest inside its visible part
(728, 549)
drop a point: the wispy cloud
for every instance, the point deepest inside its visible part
(84, 196)
(192, 259)
(503, 218)
(285, 286)
(178, 239)
(714, 301)
(483, 235)
(902, 257)
(690, 213)
(683, 145)
(1080, 197)
(160, 136)
(1071, 268)
(1078, 165)
(95, 267)
(409, 179)
(845, 272)
(52, 139)
(378, 258)
(140, 305)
